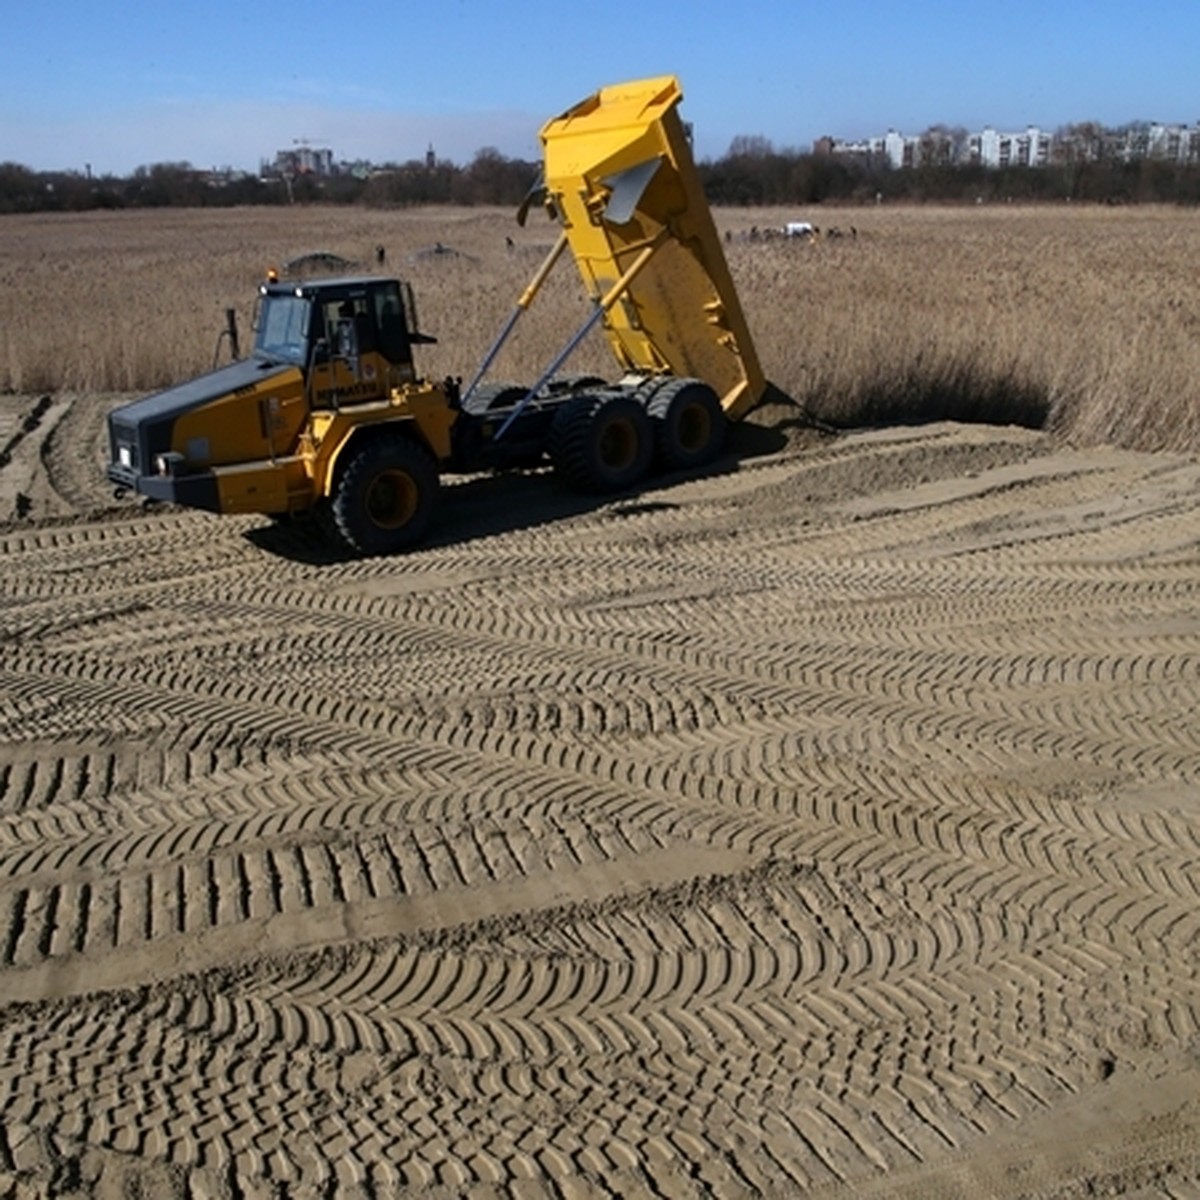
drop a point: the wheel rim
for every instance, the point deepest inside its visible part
(392, 499)
(619, 445)
(695, 428)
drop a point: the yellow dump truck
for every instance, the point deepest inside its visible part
(328, 415)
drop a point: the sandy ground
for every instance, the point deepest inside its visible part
(824, 826)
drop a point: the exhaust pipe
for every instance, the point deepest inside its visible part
(231, 332)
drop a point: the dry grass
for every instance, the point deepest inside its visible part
(1084, 318)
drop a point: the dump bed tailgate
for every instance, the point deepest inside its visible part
(620, 174)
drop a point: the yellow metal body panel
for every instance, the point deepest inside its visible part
(422, 404)
(270, 452)
(620, 176)
(251, 423)
(335, 383)
(297, 482)
(263, 487)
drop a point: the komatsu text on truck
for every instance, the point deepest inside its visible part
(328, 414)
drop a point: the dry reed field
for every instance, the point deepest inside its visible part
(1085, 318)
(825, 824)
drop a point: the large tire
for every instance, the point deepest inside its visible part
(601, 443)
(385, 496)
(689, 424)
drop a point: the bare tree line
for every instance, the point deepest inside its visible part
(752, 173)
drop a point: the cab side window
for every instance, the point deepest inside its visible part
(364, 327)
(393, 336)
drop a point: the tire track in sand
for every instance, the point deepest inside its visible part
(683, 850)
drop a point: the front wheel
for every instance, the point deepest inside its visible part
(384, 499)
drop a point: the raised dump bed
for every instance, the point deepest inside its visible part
(620, 176)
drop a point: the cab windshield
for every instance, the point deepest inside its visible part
(283, 328)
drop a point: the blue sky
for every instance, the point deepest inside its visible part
(117, 85)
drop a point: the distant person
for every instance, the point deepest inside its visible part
(347, 334)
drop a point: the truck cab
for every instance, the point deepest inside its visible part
(319, 345)
(351, 337)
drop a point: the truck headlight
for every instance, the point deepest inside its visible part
(169, 464)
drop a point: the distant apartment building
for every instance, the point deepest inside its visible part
(892, 148)
(897, 150)
(991, 148)
(303, 159)
(1172, 143)
(900, 151)
(1032, 147)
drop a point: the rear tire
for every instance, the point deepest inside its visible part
(689, 424)
(384, 498)
(601, 443)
